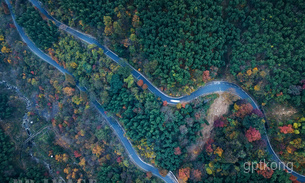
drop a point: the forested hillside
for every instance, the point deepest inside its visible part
(235, 144)
(77, 144)
(5, 109)
(9, 170)
(172, 42)
(179, 45)
(149, 122)
(267, 58)
(268, 53)
(42, 34)
(184, 37)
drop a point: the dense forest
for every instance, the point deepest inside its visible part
(184, 37)
(147, 123)
(172, 47)
(179, 45)
(8, 167)
(267, 56)
(42, 34)
(5, 109)
(113, 86)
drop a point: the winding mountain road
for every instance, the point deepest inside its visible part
(209, 88)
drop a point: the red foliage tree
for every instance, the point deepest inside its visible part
(258, 113)
(208, 146)
(149, 175)
(197, 174)
(140, 82)
(286, 129)
(119, 160)
(12, 26)
(219, 123)
(206, 76)
(5, 8)
(145, 87)
(294, 179)
(253, 134)
(184, 174)
(163, 172)
(60, 127)
(243, 110)
(177, 151)
(165, 103)
(264, 170)
(183, 105)
(77, 154)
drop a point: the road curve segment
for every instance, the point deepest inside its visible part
(135, 158)
(209, 88)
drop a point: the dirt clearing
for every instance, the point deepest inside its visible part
(219, 107)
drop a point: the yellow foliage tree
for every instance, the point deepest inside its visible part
(77, 100)
(5, 49)
(211, 164)
(81, 23)
(249, 72)
(65, 158)
(289, 149)
(34, 82)
(261, 153)
(218, 151)
(82, 132)
(73, 175)
(82, 162)
(209, 171)
(68, 91)
(58, 157)
(73, 65)
(108, 25)
(97, 150)
(236, 107)
(67, 170)
(297, 143)
(232, 135)
(302, 120)
(254, 70)
(135, 20)
(257, 88)
(262, 74)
